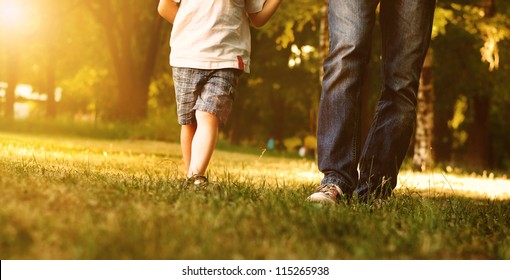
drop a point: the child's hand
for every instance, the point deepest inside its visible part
(168, 10)
(262, 17)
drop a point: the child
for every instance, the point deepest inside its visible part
(210, 48)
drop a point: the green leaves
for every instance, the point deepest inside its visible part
(292, 17)
(490, 29)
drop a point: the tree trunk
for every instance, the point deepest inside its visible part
(478, 144)
(133, 78)
(51, 57)
(442, 141)
(12, 80)
(423, 157)
(489, 8)
(236, 126)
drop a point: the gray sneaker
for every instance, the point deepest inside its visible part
(326, 194)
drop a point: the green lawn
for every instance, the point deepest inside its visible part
(76, 198)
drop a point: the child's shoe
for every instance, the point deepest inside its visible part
(198, 182)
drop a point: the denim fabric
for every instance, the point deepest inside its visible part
(406, 28)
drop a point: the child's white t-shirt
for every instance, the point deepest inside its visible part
(213, 34)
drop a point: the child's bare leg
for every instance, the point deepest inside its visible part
(203, 143)
(187, 134)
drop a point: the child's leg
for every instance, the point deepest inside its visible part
(187, 134)
(203, 143)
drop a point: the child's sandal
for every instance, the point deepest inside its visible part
(199, 182)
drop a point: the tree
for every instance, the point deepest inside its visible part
(14, 29)
(478, 143)
(492, 27)
(277, 100)
(422, 157)
(51, 40)
(467, 88)
(126, 24)
(12, 79)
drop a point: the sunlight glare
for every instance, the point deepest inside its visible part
(485, 186)
(11, 13)
(18, 18)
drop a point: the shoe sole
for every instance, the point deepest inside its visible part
(320, 198)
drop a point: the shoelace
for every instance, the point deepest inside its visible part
(331, 190)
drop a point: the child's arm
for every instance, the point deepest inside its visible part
(261, 18)
(168, 10)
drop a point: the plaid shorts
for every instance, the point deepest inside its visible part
(211, 91)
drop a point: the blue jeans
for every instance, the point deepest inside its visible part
(406, 29)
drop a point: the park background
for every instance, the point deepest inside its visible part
(98, 70)
(106, 62)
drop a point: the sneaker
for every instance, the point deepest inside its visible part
(199, 182)
(326, 194)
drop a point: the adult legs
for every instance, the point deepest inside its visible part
(350, 26)
(406, 28)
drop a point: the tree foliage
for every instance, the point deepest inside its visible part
(472, 62)
(124, 24)
(110, 57)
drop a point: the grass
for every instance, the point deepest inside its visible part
(77, 198)
(162, 126)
